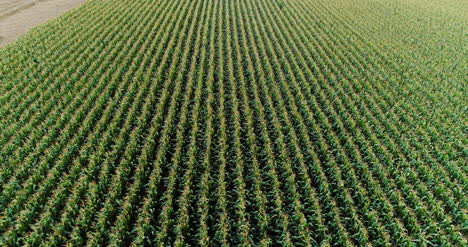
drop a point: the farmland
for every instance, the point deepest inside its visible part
(17, 17)
(237, 123)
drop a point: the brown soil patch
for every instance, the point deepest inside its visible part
(18, 16)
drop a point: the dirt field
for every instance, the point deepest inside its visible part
(18, 16)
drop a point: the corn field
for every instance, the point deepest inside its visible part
(237, 123)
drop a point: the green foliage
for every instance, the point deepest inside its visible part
(234, 123)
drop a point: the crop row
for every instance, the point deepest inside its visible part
(245, 123)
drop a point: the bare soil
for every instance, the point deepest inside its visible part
(18, 16)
